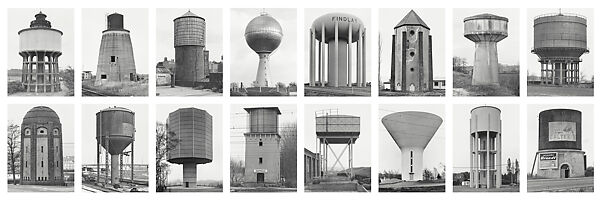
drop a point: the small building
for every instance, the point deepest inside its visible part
(86, 75)
(164, 72)
(439, 84)
(312, 165)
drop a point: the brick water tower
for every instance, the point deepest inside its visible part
(262, 154)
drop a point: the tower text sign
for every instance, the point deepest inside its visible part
(548, 160)
(561, 131)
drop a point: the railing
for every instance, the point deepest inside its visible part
(557, 14)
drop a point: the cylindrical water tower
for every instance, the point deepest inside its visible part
(41, 148)
(486, 30)
(559, 144)
(115, 61)
(115, 131)
(486, 147)
(190, 40)
(190, 130)
(412, 131)
(338, 31)
(40, 47)
(263, 35)
(262, 154)
(559, 40)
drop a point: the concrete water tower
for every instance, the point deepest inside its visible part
(115, 60)
(338, 31)
(191, 58)
(559, 144)
(115, 131)
(190, 130)
(262, 155)
(559, 40)
(263, 34)
(412, 131)
(485, 137)
(40, 47)
(486, 30)
(412, 57)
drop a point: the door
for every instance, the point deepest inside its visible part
(564, 171)
(187, 184)
(260, 177)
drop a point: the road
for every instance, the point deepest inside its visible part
(540, 185)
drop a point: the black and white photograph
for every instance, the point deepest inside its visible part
(263, 146)
(412, 146)
(337, 148)
(412, 52)
(337, 52)
(189, 148)
(560, 143)
(486, 148)
(115, 154)
(264, 51)
(485, 61)
(114, 52)
(31, 167)
(189, 52)
(561, 61)
(40, 52)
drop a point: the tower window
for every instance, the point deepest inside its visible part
(25, 163)
(412, 32)
(260, 144)
(42, 162)
(260, 160)
(113, 59)
(42, 149)
(103, 76)
(412, 54)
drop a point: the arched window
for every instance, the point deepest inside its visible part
(42, 131)
(27, 131)
(55, 131)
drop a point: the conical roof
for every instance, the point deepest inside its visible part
(412, 19)
(189, 14)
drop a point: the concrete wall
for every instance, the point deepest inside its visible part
(574, 159)
(115, 59)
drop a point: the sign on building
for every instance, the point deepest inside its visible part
(562, 131)
(548, 160)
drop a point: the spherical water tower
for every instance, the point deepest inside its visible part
(412, 131)
(559, 40)
(486, 147)
(40, 47)
(190, 40)
(338, 31)
(190, 130)
(115, 60)
(263, 35)
(486, 30)
(115, 131)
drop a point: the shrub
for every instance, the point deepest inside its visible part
(15, 86)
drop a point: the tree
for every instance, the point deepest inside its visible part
(427, 174)
(165, 142)
(509, 170)
(516, 169)
(288, 154)
(236, 171)
(14, 148)
(68, 76)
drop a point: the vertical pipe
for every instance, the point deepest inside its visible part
(430, 65)
(350, 55)
(312, 58)
(393, 65)
(323, 67)
(336, 63)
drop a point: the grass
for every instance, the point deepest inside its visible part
(509, 86)
(541, 90)
(119, 88)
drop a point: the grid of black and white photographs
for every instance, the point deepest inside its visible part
(310, 99)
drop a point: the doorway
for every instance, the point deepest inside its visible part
(260, 177)
(187, 184)
(564, 171)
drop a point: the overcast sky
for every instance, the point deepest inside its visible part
(390, 154)
(64, 111)
(587, 66)
(244, 61)
(509, 115)
(435, 20)
(88, 134)
(239, 125)
(587, 129)
(94, 22)
(60, 19)
(508, 48)
(164, 31)
(364, 14)
(362, 147)
(209, 171)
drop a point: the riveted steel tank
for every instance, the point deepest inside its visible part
(559, 35)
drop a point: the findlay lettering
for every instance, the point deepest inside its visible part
(344, 19)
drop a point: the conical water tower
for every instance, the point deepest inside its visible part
(412, 131)
(115, 131)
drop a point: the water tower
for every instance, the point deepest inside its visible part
(190, 130)
(262, 154)
(412, 131)
(485, 137)
(115, 131)
(42, 148)
(559, 144)
(335, 129)
(338, 31)
(190, 39)
(412, 57)
(559, 40)
(263, 35)
(115, 60)
(486, 30)
(40, 47)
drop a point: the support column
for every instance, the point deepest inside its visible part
(364, 60)
(471, 164)
(553, 73)
(478, 164)
(350, 55)
(498, 159)
(561, 73)
(359, 50)
(312, 58)
(336, 63)
(487, 160)
(323, 67)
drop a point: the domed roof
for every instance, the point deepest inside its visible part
(41, 114)
(344, 20)
(263, 33)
